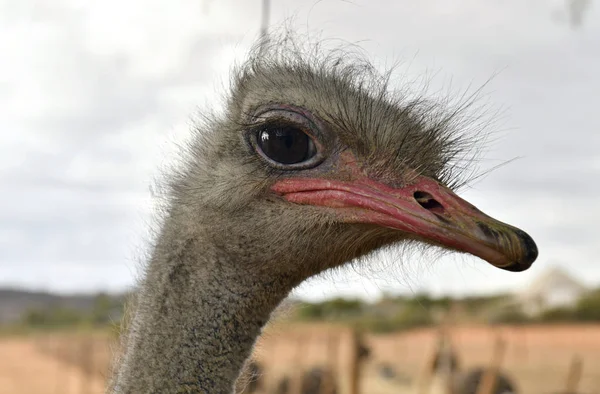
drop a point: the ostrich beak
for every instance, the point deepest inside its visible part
(424, 209)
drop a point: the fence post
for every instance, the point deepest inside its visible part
(354, 362)
(330, 371)
(574, 375)
(297, 376)
(488, 380)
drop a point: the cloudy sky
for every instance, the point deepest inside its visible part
(93, 94)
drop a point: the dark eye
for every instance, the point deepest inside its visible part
(285, 143)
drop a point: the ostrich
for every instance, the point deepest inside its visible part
(468, 382)
(313, 164)
(313, 382)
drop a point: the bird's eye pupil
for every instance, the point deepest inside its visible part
(285, 144)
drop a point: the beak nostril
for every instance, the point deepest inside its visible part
(427, 201)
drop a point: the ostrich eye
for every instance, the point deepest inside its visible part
(285, 143)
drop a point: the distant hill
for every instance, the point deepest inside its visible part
(14, 303)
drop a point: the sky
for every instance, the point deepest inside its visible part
(95, 95)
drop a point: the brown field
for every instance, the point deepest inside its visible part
(537, 358)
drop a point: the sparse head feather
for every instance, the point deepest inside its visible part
(390, 128)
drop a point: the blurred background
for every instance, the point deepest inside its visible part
(94, 97)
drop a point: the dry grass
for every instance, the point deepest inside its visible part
(537, 357)
(58, 364)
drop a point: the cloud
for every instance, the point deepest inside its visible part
(93, 94)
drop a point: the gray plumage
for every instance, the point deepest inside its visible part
(229, 249)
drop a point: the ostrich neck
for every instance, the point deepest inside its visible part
(197, 316)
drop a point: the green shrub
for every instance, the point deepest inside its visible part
(557, 315)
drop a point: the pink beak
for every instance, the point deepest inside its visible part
(424, 209)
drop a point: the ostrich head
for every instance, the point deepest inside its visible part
(316, 163)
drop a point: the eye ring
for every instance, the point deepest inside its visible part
(286, 140)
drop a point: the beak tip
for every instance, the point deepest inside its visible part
(517, 267)
(529, 253)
